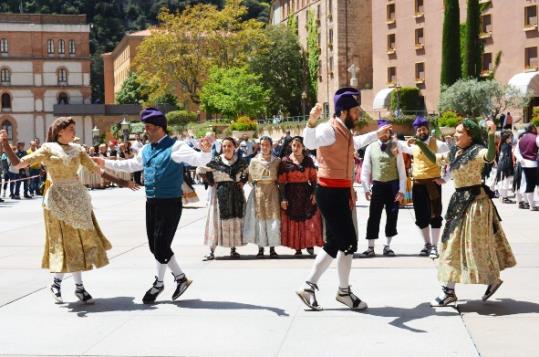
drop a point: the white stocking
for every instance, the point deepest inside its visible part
(344, 265)
(435, 233)
(77, 277)
(425, 233)
(174, 266)
(321, 264)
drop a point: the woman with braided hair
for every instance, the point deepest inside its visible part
(474, 248)
(74, 242)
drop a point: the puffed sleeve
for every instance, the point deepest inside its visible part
(87, 162)
(37, 156)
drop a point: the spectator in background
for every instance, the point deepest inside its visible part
(508, 122)
(34, 171)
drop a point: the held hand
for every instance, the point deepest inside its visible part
(491, 127)
(284, 205)
(315, 113)
(205, 145)
(439, 181)
(133, 186)
(383, 130)
(411, 141)
(3, 136)
(399, 197)
(368, 196)
(99, 162)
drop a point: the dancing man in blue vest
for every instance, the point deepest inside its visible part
(163, 162)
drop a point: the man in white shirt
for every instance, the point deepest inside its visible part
(335, 196)
(383, 176)
(163, 162)
(526, 155)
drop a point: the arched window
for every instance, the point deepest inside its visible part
(61, 47)
(63, 98)
(50, 47)
(4, 45)
(6, 125)
(6, 102)
(72, 47)
(62, 76)
(5, 76)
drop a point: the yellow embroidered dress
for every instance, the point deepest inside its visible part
(474, 248)
(74, 241)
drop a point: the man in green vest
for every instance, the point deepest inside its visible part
(383, 176)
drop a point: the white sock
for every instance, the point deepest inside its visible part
(371, 243)
(518, 195)
(161, 269)
(77, 277)
(435, 233)
(529, 197)
(388, 241)
(321, 264)
(59, 276)
(344, 266)
(426, 234)
(503, 193)
(174, 267)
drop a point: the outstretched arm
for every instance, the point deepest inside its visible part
(15, 161)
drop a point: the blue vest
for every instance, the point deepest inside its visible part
(163, 177)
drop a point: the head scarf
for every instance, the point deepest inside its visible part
(154, 116)
(475, 131)
(419, 122)
(346, 98)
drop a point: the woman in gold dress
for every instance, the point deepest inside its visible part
(74, 242)
(474, 248)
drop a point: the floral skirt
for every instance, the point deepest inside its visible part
(477, 250)
(68, 249)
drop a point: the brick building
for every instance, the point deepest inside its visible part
(407, 47)
(118, 63)
(344, 39)
(44, 61)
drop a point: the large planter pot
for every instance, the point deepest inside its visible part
(447, 130)
(239, 134)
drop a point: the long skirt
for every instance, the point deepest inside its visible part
(262, 216)
(477, 250)
(222, 232)
(68, 249)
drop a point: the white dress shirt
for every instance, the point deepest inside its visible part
(324, 135)
(181, 153)
(366, 169)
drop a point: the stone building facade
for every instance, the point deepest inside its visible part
(345, 39)
(44, 61)
(118, 63)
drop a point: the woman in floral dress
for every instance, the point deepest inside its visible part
(74, 242)
(224, 223)
(301, 222)
(474, 248)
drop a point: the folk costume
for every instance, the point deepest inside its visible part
(74, 241)
(474, 248)
(301, 222)
(384, 175)
(505, 167)
(262, 216)
(426, 192)
(335, 147)
(224, 222)
(163, 163)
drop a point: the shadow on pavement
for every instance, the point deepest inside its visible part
(500, 307)
(403, 315)
(121, 303)
(226, 305)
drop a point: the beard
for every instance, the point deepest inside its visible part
(349, 121)
(423, 137)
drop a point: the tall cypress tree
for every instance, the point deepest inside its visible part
(451, 62)
(472, 56)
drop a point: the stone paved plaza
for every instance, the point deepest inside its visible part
(248, 307)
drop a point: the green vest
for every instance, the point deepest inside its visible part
(384, 163)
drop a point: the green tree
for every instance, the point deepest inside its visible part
(473, 50)
(407, 99)
(451, 61)
(313, 53)
(281, 65)
(233, 92)
(131, 92)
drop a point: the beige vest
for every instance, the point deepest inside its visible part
(336, 161)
